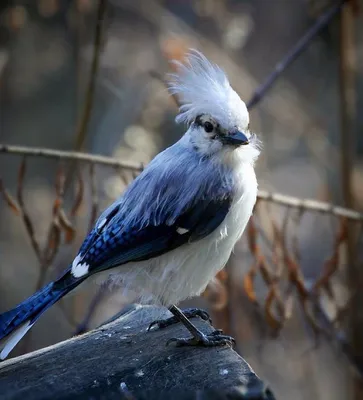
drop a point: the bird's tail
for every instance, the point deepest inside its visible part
(14, 324)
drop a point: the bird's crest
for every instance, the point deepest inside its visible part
(203, 88)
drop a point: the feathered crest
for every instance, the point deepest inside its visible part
(203, 87)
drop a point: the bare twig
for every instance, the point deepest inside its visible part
(293, 54)
(4, 58)
(78, 196)
(310, 205)
(94, 197)
(340, 339)
(10, 201)
(83, 326)
(87, 109)
(83, 123)
(26, 218)
(69, 155)
(278, 198)
(348, 140)
(331, 265)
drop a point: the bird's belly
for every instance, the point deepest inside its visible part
(174, 276)
(185, 271)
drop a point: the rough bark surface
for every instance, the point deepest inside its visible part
(122, 360)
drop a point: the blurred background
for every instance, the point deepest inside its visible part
(87, 75)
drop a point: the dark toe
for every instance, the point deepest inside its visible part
(189, 313)
(197, 312)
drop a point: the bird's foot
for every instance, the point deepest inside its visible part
(213, 339)
(188, 312)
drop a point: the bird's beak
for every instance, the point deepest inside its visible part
(236, 138)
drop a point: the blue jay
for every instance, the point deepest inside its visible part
(176, 224)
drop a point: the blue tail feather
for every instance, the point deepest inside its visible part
(29, 310)
(16, 322)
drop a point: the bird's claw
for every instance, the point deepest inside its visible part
(213, 339)
(189, 313)
(161, 323)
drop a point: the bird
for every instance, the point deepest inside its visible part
(175, 225)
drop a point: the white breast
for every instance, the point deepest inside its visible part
(185, 272)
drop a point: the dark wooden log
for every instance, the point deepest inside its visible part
(121, 360)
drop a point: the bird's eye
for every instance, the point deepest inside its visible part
(208, 127)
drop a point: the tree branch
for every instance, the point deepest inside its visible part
(70, 155)
(277, 198)
(91, 87)
(294, 53)
(121, 360)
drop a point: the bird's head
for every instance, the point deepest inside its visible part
(217, 118)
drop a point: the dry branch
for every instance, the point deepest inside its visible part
(91, 87)
(277, 198)
(310, 205)
(69, 155)
(121, 360)
(295, 52)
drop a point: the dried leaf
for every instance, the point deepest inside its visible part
(296, 277)
(26, 219)
(79, 196)
(21, 174)
(29, 227)
(67, 227)
(274, 323)
(265, 272)
(252, 236)
(60, 181)
(248, 284)
(309, 315)
(10, 201)
(222, 275)
(54, 237)
(216, 294)
(57, 205)
(53, 243)
(94, 198)
(331, 265)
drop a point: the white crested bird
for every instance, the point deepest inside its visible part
(176, 224)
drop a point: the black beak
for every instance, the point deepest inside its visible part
(236, 138)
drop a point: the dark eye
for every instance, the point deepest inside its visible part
(208, 127)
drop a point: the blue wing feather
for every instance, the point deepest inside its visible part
(116, 244)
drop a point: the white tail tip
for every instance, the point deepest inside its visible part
(13, 339)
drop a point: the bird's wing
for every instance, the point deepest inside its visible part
(111, 244)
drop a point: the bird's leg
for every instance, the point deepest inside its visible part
(198, 338)
(187, 313)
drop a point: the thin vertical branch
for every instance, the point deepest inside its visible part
(26, 219)
(83, 326)
(348, 102)
(94, 198)
(82, 127)
(89, 97)
(294, 53)
(348, 140)
(83, 124)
